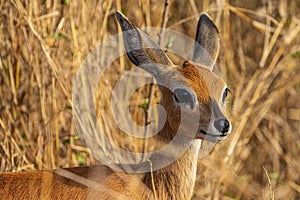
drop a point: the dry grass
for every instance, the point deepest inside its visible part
(43, 43)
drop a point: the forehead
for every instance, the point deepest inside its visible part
(215, 84)
(195, 80)
(203, 81)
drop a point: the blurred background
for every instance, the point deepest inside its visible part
(43, 43)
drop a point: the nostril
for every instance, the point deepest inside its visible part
(222, 125)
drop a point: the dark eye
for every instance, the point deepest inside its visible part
(225, 93)
(182, 96)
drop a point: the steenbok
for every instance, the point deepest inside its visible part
(191, 89)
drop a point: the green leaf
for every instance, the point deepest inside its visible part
(145, 104)
(80, 159)
(170, 42)
(296, 54)
(66, 2)
(61, 36)
(273, 175)
(281, 182)
(67, 140)
(76, 137)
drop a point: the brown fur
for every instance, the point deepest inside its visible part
(109, 185)
(196, 81)
(174, 182)
(39, 185)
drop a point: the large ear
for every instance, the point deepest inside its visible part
(141, 49)
(207, 42)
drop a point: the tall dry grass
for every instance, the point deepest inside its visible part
(43, 43)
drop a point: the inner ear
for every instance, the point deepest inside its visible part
(207, 43)
(141, 49)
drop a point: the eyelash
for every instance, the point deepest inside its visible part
(224, 98)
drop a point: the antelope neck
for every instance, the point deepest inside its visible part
(177, 180)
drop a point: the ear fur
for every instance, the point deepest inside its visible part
(141, 49)
(207, 44)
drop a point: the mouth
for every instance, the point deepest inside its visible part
(211, 137)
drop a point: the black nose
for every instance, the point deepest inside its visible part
(222, 125)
